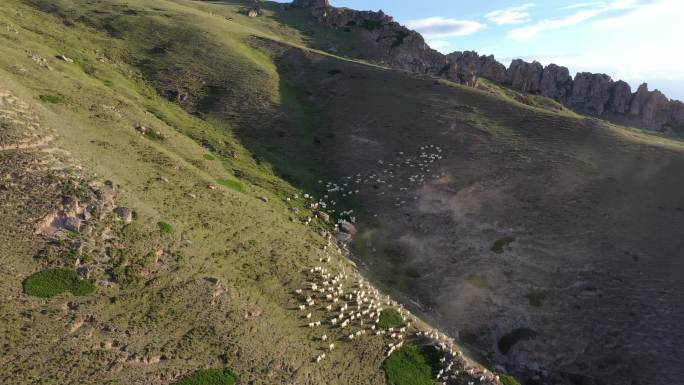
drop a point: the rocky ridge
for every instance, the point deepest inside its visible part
(394, 45)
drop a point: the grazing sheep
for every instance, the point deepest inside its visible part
(308, 316)
(331, 347)
(324, 337)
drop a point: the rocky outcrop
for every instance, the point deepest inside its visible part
(466, 67)
(311, 3)
(525, 77)
(383, 40)
(556, 82)
(590, 93)
(387, 42)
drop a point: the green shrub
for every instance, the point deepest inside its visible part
(152, 135)
(50, 282)
(54, 99)
(209, 157)
(520, 334)
(231, 184)
(413, 365)
(390, 318)
(501, 243)
(164, 227)
(508, 380)
(209, 377)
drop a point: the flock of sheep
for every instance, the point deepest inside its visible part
(392, 179)
(345, 307)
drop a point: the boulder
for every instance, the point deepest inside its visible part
(83, 271)
(344, 237)
(72, 224)
(323, 216)
(65, 58)
(347, 227)
(124, 213)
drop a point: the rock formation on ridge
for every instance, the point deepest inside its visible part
(394, 45)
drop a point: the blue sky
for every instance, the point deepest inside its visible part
(634, 40)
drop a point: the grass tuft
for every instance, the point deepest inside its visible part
(231, 184)
(209, 377)
(54, 99)
(48, 283)
(209, 157)
(508, 380)
(164, 227)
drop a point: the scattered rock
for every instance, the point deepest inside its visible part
(65, 58)
(344, 237)
(72, 224)
(347, 227)
(124, 213)
(213, 280)
(264, 199)
(83, 271)
(323, 216)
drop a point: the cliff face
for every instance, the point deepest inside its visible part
(589, 93)
(385, 40)
(394, 45)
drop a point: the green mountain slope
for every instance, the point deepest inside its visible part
(211, 126)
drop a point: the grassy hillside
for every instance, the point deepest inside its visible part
(211, 126)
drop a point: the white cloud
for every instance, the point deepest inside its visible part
(511, 15)
(584, 5)
(440, 45)
(623, 51)
(530, 31)
(441, 27)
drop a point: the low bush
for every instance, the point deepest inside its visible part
(508, 380)
(50, 282)
(413, 365)
(390, 318)
(501, 243)
(54, 99)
